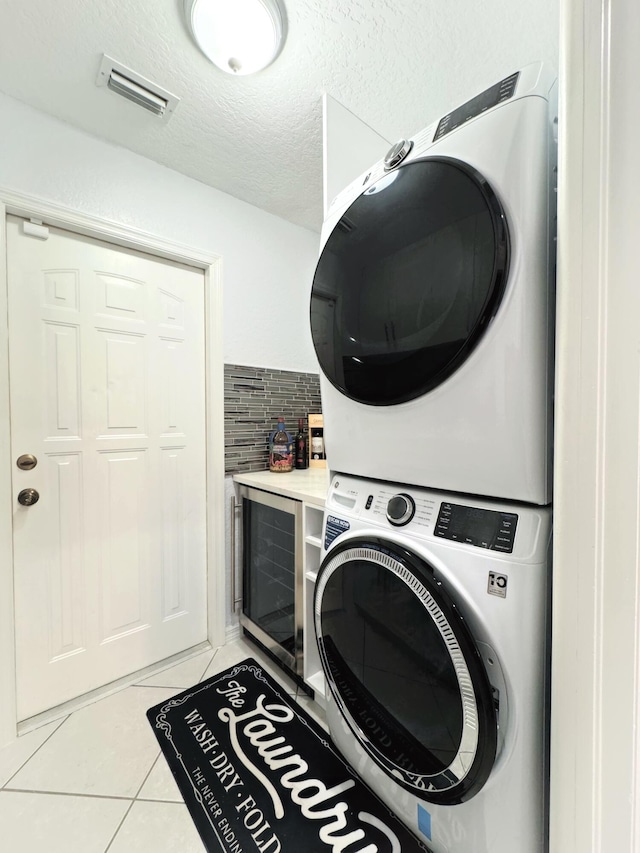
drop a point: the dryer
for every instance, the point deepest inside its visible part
(432, 302)
(431, 616)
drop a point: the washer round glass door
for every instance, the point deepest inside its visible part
(408, 281)
(404, 670)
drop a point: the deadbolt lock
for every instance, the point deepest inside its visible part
(26, 462)
(28, 497)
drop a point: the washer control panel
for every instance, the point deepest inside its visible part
(483, 528)
(504, 530)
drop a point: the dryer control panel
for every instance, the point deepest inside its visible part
(483, 528)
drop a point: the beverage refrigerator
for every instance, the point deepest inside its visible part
(272, 576)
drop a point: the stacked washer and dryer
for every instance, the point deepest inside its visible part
(432, 319)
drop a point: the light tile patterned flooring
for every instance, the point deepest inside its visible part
(95, 781)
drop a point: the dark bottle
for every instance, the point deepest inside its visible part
(301, 455)
(280, 449)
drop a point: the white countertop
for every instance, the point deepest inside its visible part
(309, 486)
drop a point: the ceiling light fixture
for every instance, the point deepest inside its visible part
(238, 36)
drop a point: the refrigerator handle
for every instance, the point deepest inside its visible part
(234, 601)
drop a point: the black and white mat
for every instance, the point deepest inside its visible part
(258, 775)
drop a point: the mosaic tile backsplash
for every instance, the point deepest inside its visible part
(254, 399)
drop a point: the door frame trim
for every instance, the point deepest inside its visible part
(133, 238)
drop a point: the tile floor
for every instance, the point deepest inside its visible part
(95, 781)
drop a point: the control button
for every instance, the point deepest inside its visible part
(396, 154)
(369, 502)
(400, 509)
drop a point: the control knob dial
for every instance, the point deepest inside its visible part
(400, 509)
(396, 154)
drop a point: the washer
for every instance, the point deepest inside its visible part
(432, 302)
(431, 616)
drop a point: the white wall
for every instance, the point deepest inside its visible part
(268, 263)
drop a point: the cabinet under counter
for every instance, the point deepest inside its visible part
(281, 517)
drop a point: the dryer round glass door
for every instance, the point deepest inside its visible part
(404, 670)
(408, 281)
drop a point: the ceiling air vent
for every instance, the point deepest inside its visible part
(123, 81)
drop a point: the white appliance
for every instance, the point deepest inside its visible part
(431, 615)
(432, 302)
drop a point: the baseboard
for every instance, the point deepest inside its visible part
(232, 632)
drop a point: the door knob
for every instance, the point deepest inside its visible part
(28, 497)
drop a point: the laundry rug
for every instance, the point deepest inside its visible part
(258, 775)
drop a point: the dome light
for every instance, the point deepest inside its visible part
(238, 36)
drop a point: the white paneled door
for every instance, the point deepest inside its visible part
(107, 390)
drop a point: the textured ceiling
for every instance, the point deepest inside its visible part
(397, 64)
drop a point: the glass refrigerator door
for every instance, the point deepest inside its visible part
(269, 571)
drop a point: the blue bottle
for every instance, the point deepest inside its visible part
(280, 449)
